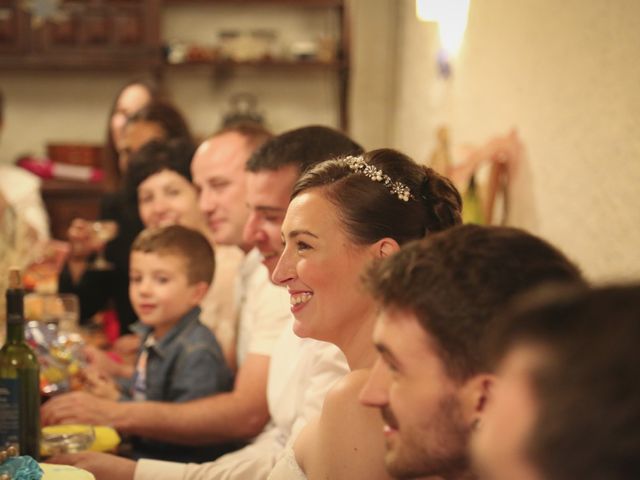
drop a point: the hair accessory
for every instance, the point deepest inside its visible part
(425, 187)
(358, 165)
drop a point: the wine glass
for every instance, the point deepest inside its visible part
(69, 312)
(103, 231)
(52, 330)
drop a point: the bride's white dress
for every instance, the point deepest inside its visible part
(287, 468)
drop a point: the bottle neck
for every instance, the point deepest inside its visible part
(15, 315)
(15, 331)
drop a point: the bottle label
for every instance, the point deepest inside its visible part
(9, 411)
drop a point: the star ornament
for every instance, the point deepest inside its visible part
(42, 10)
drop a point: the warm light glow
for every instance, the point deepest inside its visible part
(451, 16)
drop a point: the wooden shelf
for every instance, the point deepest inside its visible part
(261, 64)
(57, 186)
(114, 35)
(79, 62)
(290, 3)
(98, 34)
(226, 69)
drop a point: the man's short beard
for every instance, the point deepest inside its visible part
(444, 456)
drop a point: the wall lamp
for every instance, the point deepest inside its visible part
(451, 17)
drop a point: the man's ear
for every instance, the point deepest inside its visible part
(385, 247)
(474, 395)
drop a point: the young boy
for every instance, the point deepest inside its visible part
(179, 359)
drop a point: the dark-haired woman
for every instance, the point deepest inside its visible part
(344, 214)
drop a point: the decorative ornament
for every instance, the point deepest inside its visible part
(358, 165)
(42, 10)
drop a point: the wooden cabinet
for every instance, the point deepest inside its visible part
(126, 34)
(100, 33)
(333, 58)
(14, 25)
(66, 200)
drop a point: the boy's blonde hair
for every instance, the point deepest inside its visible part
(181, 241)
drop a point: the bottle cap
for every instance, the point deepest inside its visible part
(15, 281)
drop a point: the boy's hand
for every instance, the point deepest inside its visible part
(127, 345)
(102, 362)
(126, 348)
(99, 361)
(100, 385)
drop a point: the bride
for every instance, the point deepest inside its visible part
(344, 214)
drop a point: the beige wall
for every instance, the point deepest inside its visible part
(44, 107)
(374, 59)
(567, 76)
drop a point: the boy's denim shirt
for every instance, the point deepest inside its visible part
(186, 363)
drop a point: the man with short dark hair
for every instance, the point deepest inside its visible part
(271, 173)
(439, 298)
(567, 405)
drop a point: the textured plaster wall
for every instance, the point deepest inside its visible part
(374, 25)
(567, 76)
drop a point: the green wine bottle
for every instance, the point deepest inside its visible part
(471, 204)
(19, 379)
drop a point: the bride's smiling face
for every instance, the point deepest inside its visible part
(321, 268)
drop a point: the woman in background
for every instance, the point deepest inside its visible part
(131, 98)
(96, 289)
(159, 120)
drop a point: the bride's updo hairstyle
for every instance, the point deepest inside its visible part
(384, 193)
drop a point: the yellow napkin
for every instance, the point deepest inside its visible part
(107, 439)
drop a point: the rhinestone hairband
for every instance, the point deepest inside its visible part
(358, 165)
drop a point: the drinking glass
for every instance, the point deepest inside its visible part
(59, 439)
(52, 330)
(69, 312)
(104, 231)
(59, 309)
